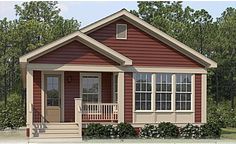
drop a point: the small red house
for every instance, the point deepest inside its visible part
(118, 69)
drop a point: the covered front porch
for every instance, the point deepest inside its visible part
(70, 96)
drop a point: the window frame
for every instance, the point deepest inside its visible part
(99, 85)
(134, 83)
(192, 107)
(126, 31)
(172, 92)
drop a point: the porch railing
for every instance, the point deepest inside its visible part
(100, 112)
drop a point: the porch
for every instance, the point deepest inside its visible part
(74, 98)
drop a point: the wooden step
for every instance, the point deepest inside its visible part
(60, 131)
(58, 135)
(56, 126)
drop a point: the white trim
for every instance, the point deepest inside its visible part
(153, 95)
(153, 32)
(172, 93)
(62, 109)
(29, 100)
(121, 95)
(126, 31)
(204, 99)
(100, 68)
(90, 42)
(99, 75)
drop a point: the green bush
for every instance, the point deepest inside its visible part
(125, 130)
(12, 114)
(149, 131)
(190, 131)
(109, 131)
(168, 130)
(94, 131)
(220, 114)
(210, 130)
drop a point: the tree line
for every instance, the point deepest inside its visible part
(215, 39)
(39, 23)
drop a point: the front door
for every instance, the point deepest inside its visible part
(53, 98)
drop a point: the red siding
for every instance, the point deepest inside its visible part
(71, 91)
(37, 96)
(128, 101)
(142, 48)
(106, 87)
(198, 97)
(74, 53)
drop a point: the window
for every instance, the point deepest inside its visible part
(53, 90)
(143, 91)
(183, 91)
(163, 91)
(121, 31)
(90, 88)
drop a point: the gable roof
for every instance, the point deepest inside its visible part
(90, 42)
(151, 30)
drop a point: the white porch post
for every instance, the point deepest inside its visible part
(78, 114)
(121, 92)
(29, 98)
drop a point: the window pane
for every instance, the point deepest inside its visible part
(90, 86)
(177, 105)
(188, 97)
(137, 106)
(188, 105)
(158, 104)
(163, 105)
(137, 87)
(143, 91)
(158, 95)
(168, 97)
(188, 87)
(158, 87)
(169, 87)
(168, 105)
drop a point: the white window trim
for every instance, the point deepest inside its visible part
(172, 93)
(99, 84)
(153, 96)
(192, 95)
(126, 31)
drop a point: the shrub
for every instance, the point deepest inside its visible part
(210, 130)
(109, 131)
(125, 130)
(12, 114)
(149, 131)
(94, 131)
(190, 131)
(168, 130)
(220, 114)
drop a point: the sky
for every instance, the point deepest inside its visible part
(91, 11)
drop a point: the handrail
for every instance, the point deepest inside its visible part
(100, 111)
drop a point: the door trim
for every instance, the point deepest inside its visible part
(99, 87)
(43, 73)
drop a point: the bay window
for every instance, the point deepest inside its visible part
(143, 91)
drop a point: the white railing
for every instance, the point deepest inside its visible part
(100, 112)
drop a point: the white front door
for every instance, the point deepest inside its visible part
(90, 87)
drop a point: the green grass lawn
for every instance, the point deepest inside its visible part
(228, 133)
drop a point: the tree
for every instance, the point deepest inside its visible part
(39, 23)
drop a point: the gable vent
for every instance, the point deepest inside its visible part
(121, 31)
